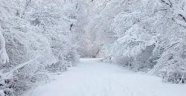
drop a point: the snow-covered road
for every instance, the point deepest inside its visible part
(94, 78)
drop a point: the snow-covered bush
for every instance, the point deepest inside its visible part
(171, 64)
(134, 48)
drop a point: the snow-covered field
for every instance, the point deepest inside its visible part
(94, 78)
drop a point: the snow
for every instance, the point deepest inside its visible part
(95, 78)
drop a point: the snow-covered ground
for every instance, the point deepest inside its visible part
(94, 78)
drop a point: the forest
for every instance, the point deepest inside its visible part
(42, 38)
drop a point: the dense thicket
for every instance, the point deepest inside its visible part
(146, 35)
(36, 38)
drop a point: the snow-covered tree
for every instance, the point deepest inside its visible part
(36, 38)
(147, 37)
(135, 33)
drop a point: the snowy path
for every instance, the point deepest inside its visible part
(93, 78)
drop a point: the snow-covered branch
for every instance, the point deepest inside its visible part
(3, 54)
